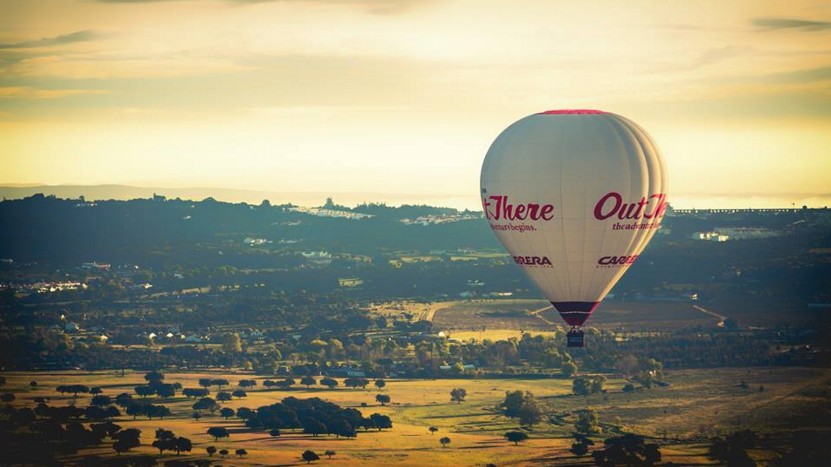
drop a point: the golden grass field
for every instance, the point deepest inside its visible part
(697, 405)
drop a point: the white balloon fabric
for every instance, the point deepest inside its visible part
(574, 196)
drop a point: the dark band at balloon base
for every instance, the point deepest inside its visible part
(575, 313)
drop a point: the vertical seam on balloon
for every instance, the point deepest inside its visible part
(562, 206)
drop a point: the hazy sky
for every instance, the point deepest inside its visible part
(405, 96)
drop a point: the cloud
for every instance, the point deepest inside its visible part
(378, 7)
(772, 24)
(77, 36)
(25, 92)
(718, 54)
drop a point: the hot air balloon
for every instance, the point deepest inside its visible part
(574, 196)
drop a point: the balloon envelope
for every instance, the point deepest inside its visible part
(574, 196)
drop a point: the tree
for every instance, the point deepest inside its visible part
(241, 452)
(196, 415)
(227, 412)
(205, 382)
(219, 382)
(135, 409)
(380, 383)
(165, 440)
(627, 450)
(165, 390)
(195, 392)
(286, 383)
(458, 395)
(530, 413)
(124, 399)
(341, 427)
(587, 422)
(157, 411)
(581, 445)
(144, 390)
(568, 369)
(223, 452)
(154, 376)
(329, 453)
(382, 398)
(444, 441)
(231, 343)
(245, 413)
(310, 456)
(182, 444)
(588, 385)
(513, 401)
(101, 400)
(274, 433)
(380, 421)
(308, 381)
(211, 450)
(239, 394)
(223, 396)
(329, 382)
(94, 390)
(247, 383)
(356, 382)
(127, 439)
(206, 403)
(218, 432)
(433, 429)
(7, 397)
(515, 437)
(314, 427)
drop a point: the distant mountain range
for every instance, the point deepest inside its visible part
(310, 198)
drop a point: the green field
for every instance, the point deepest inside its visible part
(697, 405)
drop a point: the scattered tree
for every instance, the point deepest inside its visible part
(382, 398)
(380, 383)
(628, 450)
(379, 421)
(444, 441)
(458, 395)
(247, 383)
(227, 412)
(568, 369)
(329, 382)
(241, 453)
(218, 432)
(587, 422)
(515, 437)
(329, 453)
(126, 440)
(433, 429)
(310, 456)
(211, 450)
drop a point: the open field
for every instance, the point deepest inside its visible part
(497, 319)
(696, 405)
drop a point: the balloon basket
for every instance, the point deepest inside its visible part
(574, 338)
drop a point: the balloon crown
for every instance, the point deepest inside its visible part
(572, 112)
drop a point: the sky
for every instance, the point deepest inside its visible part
(405, 96)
